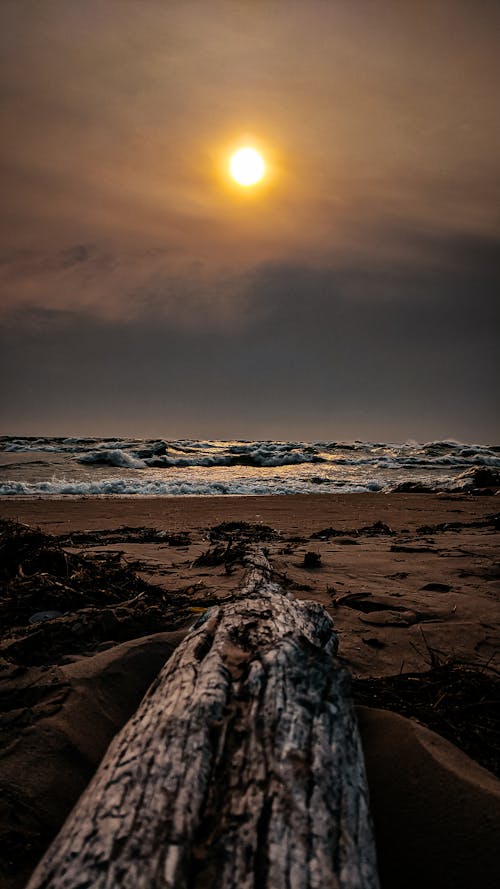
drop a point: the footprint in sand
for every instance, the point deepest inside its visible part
(381, 612)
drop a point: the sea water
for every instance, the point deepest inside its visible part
(81, 466)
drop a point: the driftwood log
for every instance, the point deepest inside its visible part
(241, 769)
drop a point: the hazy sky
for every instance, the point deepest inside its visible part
(355, 294)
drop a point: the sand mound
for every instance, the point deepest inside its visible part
(436, 815)
(436, 812)
(56, 725)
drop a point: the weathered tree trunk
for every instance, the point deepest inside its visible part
(242, 767)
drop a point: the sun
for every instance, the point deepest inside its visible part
(247, 166)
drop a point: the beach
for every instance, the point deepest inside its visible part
(411, 581)
(249, 451)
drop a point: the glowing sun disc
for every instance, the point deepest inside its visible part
(247, 166)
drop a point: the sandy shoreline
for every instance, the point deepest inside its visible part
(459, 616)
(402, 576)
(293, 512)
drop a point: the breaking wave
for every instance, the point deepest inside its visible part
(61, 445)
(150, 467)
(113, 457)
(181, 455)
(160, 454)
(154, 487)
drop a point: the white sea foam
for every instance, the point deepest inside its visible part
(155, 487)
(256, 457)
(275, 454)
(157, 466)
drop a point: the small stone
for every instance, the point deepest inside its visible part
(312, 560)
(373, 642)
(44, 615)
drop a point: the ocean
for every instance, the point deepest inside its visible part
(144, 467)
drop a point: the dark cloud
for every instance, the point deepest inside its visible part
(318, 349)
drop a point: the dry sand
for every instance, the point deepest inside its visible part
(427, 578)
(458, 615)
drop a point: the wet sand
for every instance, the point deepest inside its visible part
(296, 513)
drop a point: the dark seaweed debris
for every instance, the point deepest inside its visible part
(227, 554)
(124, 534)
(378, 529)
(37, 574)
(492, 520)
(458, 702)
(246, 532)
(100, 596)
(229, 543)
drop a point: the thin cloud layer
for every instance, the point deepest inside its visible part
(375, 240)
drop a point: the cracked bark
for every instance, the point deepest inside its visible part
(241, 769)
